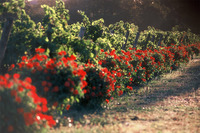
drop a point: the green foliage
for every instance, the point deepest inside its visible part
(84, 49)
(118, 34)
(12, 6)
(102, 43)
(94, 29)
(23, 38)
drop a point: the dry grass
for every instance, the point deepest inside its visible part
(169, 104)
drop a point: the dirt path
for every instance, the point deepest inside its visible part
(169, 104)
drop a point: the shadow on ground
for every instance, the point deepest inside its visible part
(180, 82)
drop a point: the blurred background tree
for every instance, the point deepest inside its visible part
(161, 14)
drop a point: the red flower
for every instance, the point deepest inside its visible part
(49, 84)
(44, 108)
(62, 53)
(118, 86)
(119, 74)
(32, 88)
(28, 79)
(46, 89)
(11, 67)
(100, 94)
(22, 64)
(36, 64)
(130, 88)
(24, 58)
(67, 107)
(44, 101)
(100, 62)
(48, 118)
(113, 71)
(107, 91)
(84, 91)
(112, 52)
(93, 94)
(13, 93)
(107, 100)
(44, 83)
(18, 99)
(74, 64)
(72, 57)
(7, 76)
(10, 128)
(33, 71)
(101, 75)
(131, 48)
(29, 65)
(9, 84)
(55, 89)
(143, 79)
(94, 88)
(20, 110)
(39, 68)
(59, 64)
(67, 84)
(39, 50)
(39, 57)
(75, 92)
(45, 71)
(84, 84)
(39, 108)
(81, 73)
(55, 104)
(120, 92)
(28, 118)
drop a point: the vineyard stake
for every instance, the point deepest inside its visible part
(82, 32)
(124, 46)
(136, 39)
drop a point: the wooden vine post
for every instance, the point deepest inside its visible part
(9, 18)
(153, 38)
(160, 40)
(183, 37)
(10, 10)
(124, 46)
(136, 39)
(146, 43)
(82, 32)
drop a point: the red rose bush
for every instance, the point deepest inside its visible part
(60, 80)
(21, 109)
